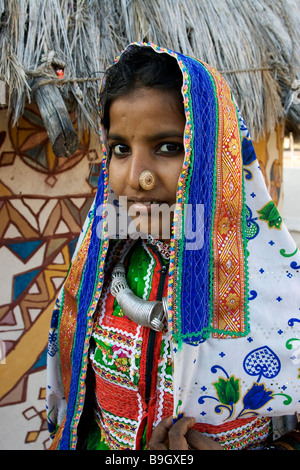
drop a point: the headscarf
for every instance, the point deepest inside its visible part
(233, 293)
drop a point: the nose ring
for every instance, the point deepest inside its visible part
(147, 180)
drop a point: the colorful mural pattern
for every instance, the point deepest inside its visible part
(39, 228)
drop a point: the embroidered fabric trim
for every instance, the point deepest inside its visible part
(252, 435)
(163, 247)
(119, 361)
(227, 236)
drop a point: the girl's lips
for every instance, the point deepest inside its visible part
(141, 207)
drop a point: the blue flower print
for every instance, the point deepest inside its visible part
(257, 397)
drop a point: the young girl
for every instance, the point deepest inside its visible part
(186, 316)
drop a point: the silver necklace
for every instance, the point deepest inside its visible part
(150, 313)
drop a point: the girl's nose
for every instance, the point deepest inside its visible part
(138, 163)
(147, 180)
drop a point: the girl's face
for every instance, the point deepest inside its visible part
(146, 133)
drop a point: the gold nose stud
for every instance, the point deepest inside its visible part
(147, 180)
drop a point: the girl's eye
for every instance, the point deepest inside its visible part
(119, 150)
(171, 148)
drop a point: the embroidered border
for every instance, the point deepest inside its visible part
(250, 435)
(164, 383)
(104, 243)
(228, 262)
(68, 317)
(115, 439)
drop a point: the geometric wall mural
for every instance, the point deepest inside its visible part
(43, 205)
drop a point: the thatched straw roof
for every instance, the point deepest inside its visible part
(255, 44)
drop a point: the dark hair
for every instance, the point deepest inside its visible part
(139, 67)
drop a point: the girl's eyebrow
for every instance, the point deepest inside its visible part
(166, 134)
(115, 137)
(158, 136)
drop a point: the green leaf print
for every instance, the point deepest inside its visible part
(270, 214)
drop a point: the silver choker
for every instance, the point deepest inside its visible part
(152, 314)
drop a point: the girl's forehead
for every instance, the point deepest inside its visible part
(156, 108)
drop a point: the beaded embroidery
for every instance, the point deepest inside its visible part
(119, 363)
(163, 247)
(229, 293)
(251, 435)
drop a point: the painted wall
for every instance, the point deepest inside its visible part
(43, 204)
(269, 151)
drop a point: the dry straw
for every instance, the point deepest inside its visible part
(254, 43)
